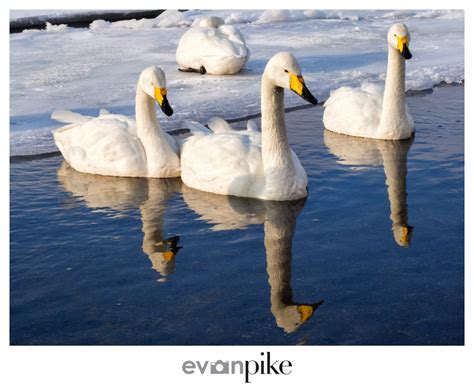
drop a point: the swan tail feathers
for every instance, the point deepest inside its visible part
(216, 124)
(196, 128)
(69, 117)
(252, 126)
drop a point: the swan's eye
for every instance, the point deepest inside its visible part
(395, 34)
(286, 71)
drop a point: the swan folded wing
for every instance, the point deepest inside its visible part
(234, 36)
(217, 124)
(69, 117)
(224, 163)
(105, 145)
(354, 111)
(196, 127)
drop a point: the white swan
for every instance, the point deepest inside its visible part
(247, 163)
(116, 145)
(393, 156)
(210, 46)
(368, 113)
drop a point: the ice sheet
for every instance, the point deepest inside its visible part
(91, 68)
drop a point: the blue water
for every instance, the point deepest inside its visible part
(95, 260)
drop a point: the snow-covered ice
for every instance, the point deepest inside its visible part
(92, 68)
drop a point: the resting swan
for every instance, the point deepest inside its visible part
(210, 46)
(247, 163)
(364, 111)
(116, 145)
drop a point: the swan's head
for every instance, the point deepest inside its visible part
(284, 71)
(153, 82)
(163, 255)
(402, 234)
(399, 38)
(292, 317)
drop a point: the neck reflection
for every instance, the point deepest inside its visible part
(392, 154)
(279, 220)
(149, 195)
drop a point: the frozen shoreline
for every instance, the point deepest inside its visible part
(97, 68)
(423, 92)
(20, 21)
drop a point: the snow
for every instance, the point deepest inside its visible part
(44, 14)
(168, 19)
(92, 68)
(273, 16)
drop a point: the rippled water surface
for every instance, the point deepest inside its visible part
(97, 260)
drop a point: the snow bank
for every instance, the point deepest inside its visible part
(315, 14)
(85, 70)
(168, 19)
(172, 18)
(273, 16)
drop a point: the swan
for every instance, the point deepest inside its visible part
(279, 223)
(212, 47)
(119, 195)
(392, 155)
(366, 111)
(116, 145)
(247, 163)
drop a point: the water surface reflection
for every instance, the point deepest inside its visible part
(392, 155)
(279, 220)
(150, 196)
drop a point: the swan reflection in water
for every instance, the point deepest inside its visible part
(279, 219)
(119, 194)
(392, 154)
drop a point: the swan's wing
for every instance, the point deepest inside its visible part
(196, 127)
(69, 117)
(411, 122)
(354, 111)
(101, 143)
(252, 126)
(219, 125)
(223, 163)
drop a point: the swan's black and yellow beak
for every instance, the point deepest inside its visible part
(298, 86)
(306, 311)
(173, 248)
(160, 96)
(402, 46)
(407, 231)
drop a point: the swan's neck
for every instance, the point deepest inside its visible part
(157, 149)
(394, 115)
(276, 153)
